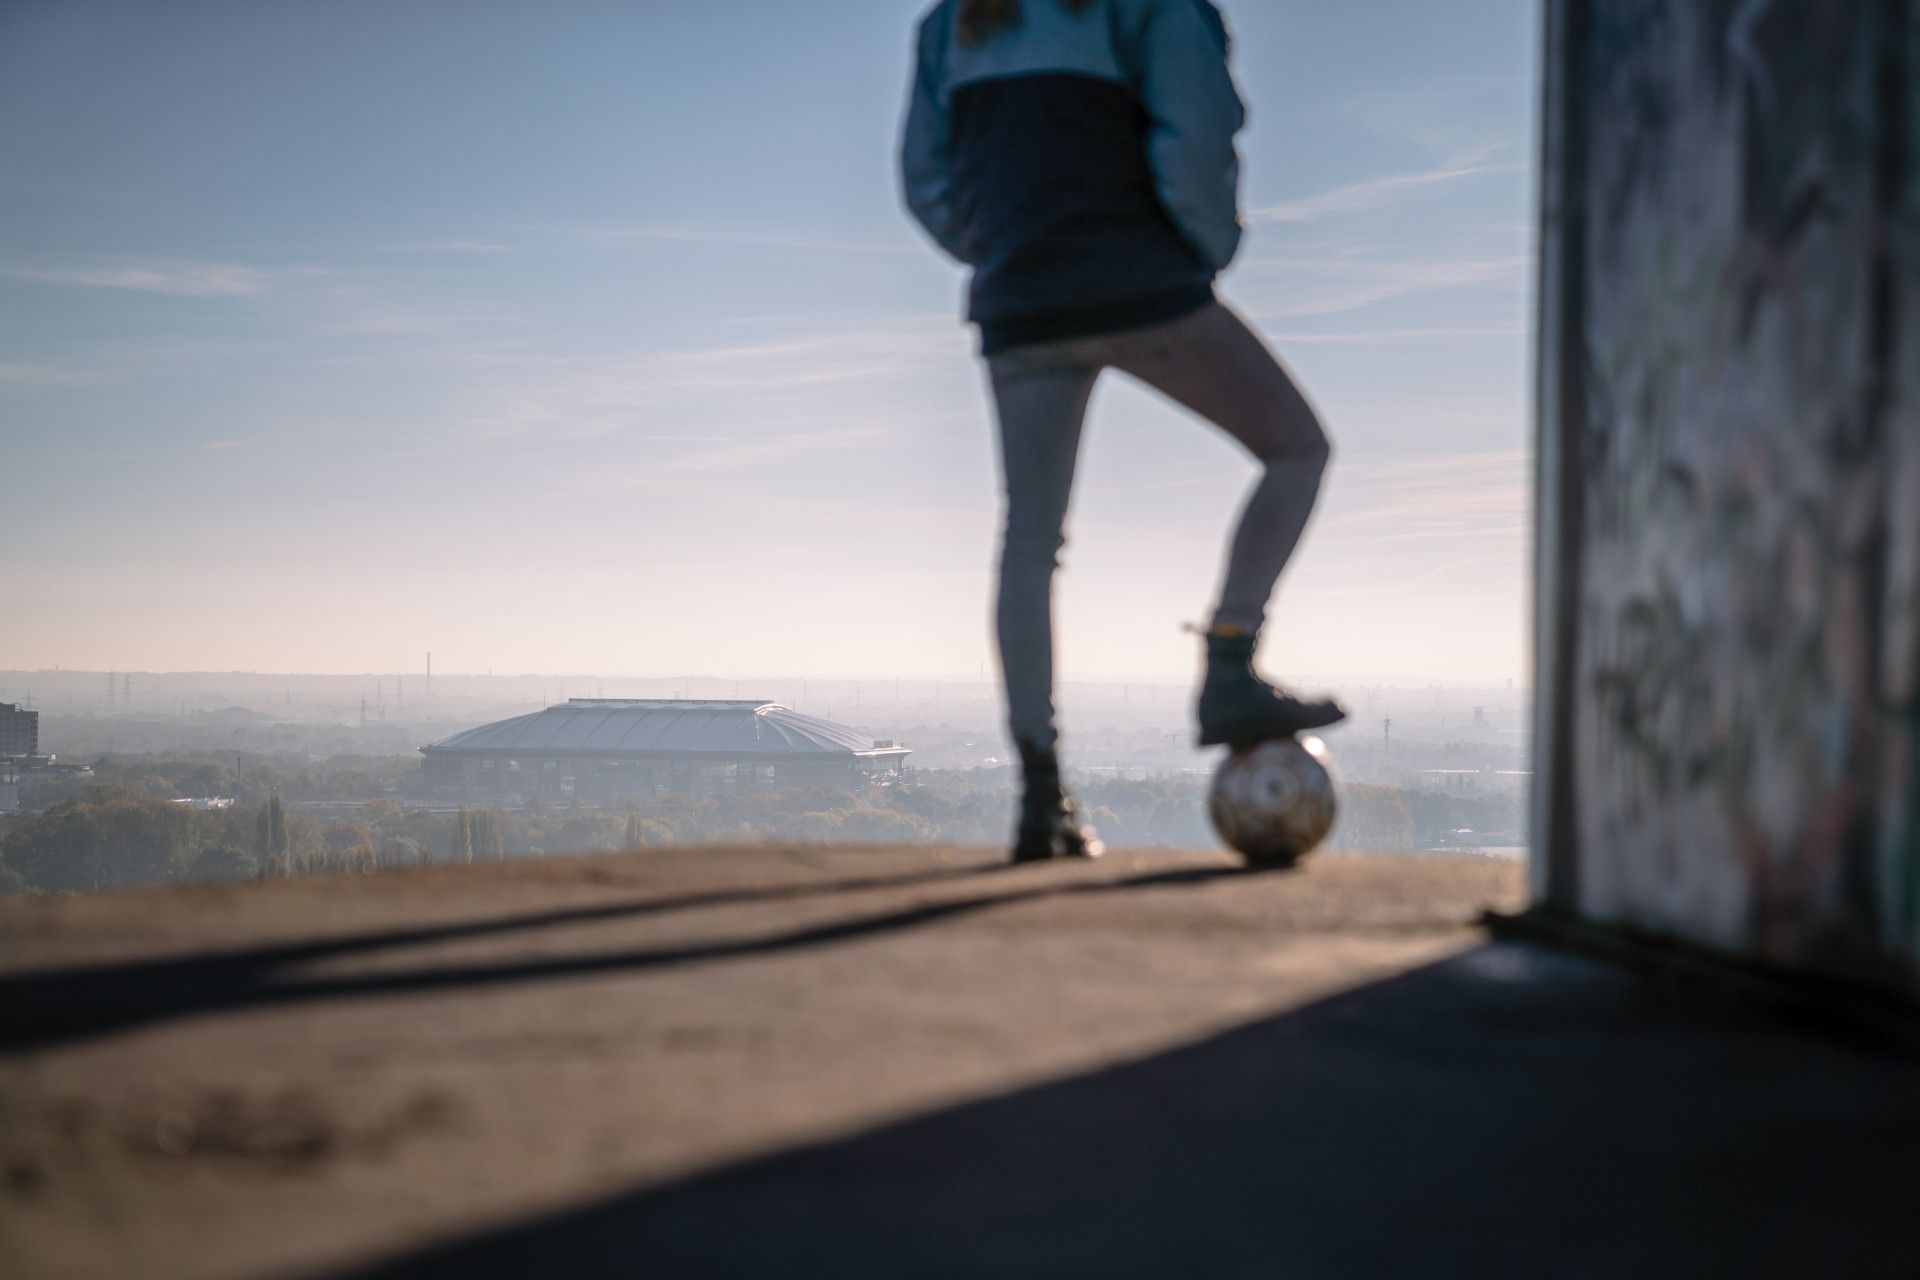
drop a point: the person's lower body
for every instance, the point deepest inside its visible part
(1211, 362)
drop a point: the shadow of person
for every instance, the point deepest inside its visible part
(60, 1006)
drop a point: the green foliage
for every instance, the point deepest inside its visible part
(117, 831)
(60, 850)
(1375, 818)
(225, 862)
(251, 777)
(272, 842)
(95, 846)
(279, 843)
(489, 835)
(460, 838)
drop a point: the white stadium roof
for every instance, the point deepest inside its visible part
(640, 728)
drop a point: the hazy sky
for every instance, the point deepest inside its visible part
(579, 337)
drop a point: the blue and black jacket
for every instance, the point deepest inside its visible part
(1082, 163)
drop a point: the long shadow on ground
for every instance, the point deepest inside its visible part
(1513, 1112)
(43, 1009)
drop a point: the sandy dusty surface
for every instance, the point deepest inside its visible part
(298, 1076)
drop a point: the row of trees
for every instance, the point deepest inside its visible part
(126, 839)
(479, 834)
(250, 777)
(115, 836)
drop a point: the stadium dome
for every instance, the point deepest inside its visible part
(606, 747)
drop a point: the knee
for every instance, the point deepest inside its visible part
(1286, 429)
(1320, 452)
(1302, 450)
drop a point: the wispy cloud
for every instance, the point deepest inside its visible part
(449, 246)
(834, 356)
(384, 303)
(179, 279)
(655, 469)
(1376, 193)
(30, 373)
(274, 436)
(1363, 337)
(1452, 522)
(1431, 500)
(752, 238)
(1314, 286)
(371, 316)
(742, 456)
(102, 364)
(1448, 114)
(784, 378)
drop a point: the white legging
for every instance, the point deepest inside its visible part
(1214, 364)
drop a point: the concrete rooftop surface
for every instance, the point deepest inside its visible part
(879, 1061)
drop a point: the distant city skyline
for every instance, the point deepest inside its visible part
(593, 339)
(949, 722)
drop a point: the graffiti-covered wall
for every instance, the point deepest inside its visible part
(1730, 478)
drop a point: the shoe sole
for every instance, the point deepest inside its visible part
(1246, 740)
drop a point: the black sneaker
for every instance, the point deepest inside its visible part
(1050, 823)
(1237, 707)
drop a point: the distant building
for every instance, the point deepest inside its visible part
(23, 777)
(608, 749)
(1486, 778)
(19, 731)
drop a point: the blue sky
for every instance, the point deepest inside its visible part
(590, 337)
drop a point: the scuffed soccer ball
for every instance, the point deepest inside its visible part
(1274, 801)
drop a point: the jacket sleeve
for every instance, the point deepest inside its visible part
(1194, 111)
(926, 177)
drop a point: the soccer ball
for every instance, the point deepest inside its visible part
(1274, 801)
